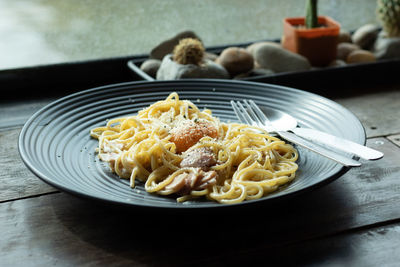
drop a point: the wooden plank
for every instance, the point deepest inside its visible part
(378, 246)
(62, 229)
(16, 181)
(395, 139)
(15, 113)
(379, 111)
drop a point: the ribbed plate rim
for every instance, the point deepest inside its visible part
(206, 82)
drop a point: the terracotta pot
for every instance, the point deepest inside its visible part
(316, 44)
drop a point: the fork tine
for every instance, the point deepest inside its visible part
(238, 112)
(258, 110)
(250, 111)
(246, 115)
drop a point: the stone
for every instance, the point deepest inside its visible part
(387, 47)
(360, 56)
(337, 63)
(171, 70)
(254, 46)
(272, 56)
(210, 56)
(344, 36)
(242, 76)
(151, 66)
(261, 72)
(166, 47)
(344, 49)
(236, 60)
(366, 35)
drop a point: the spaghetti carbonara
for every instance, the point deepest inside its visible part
(174, 148)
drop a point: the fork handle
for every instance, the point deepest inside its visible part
(318, 149)
(338, 143)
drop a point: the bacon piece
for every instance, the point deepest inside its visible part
(178, 182)
(202, 157)
(184, 183)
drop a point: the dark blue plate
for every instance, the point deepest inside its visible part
(56, 146)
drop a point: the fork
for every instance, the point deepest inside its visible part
(253, 115)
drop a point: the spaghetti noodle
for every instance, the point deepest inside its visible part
(174, 148)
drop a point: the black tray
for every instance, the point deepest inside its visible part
(65, 78)
(315, 80)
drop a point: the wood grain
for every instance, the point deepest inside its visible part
(16, 181)
(379, 112)
(377, 246)
(15, 113)
(62, 229)
(395, 139)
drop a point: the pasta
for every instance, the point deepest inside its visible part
(176, 149)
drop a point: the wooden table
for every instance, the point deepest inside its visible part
(353, 221)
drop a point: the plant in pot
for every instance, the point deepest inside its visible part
(387, 45)
(314, 37)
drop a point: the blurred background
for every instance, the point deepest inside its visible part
(37, 32)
